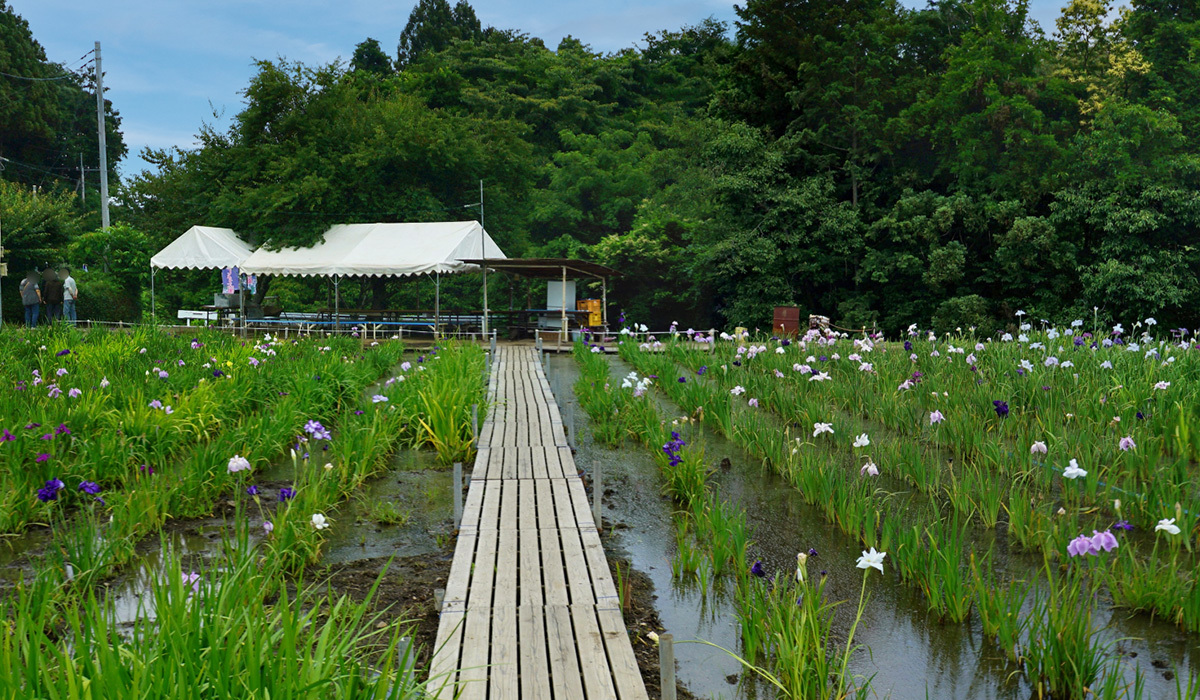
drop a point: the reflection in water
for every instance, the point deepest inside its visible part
(908, 652)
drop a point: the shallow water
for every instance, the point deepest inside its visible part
(908, 652)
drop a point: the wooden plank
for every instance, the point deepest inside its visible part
(554, 581)
(538, 468)
(592, 659)
(545, 504)
(529, 557)
(458, 582)
(603, 586)
(509, 504)
(579, 582)
(509, 468)
(476, 646)
(580, 505)
(503, 673)
(626, 676)
(484, 571)
(472, 507)
(564, 463)
(489, 514)
(535, 665)
(565, 679)
(505, 594)
(443, 669)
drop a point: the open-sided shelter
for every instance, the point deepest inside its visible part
(200, 248)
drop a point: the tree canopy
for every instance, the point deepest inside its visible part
(877, 164)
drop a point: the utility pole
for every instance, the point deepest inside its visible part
(103, 139)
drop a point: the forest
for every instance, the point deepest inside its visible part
(947, 166)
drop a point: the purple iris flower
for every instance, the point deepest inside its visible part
(49, 492)
(31, 426)
(252, 490)
(286, 494)
(89, 487)
(7, 436)
(812, 552)
(61, 353)
(907, 346)
(758, 570)
(1001, 407)
(1140, 416)
(702, 370)
(62, 429)
(683, 380)
(217, 374)
(1122, 525)
(42, 457)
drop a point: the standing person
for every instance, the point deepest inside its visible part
(52, 294)
(31, 297)
(70, 293)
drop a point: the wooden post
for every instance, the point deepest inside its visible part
(475, 424)
(439, 597)
(666, 666)
(458, 502)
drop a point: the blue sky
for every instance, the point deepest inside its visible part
(169, 64)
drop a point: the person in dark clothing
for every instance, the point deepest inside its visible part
(52, 294)
(31, 297)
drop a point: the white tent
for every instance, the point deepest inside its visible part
(382, 250)
(203, 248)
(199, 248)
(385, 250)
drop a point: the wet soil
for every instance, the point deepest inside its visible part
(405, 592)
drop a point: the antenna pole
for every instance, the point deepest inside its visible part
(483, 250)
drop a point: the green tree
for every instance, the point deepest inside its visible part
(370, 58)
(1167, 34)
(47, 113)
(433, 25)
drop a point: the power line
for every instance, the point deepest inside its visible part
(34, 167)
(64, 76)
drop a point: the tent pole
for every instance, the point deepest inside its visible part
(562, 335)
(437, 302)
(153, 308)
(337, 314)
(242, 299)
(604, 302)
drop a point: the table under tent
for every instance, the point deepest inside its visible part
(202, 248)
(387, 250)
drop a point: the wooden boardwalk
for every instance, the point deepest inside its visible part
(530, 609)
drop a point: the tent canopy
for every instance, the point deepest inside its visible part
(203, 248)
(381, 250)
